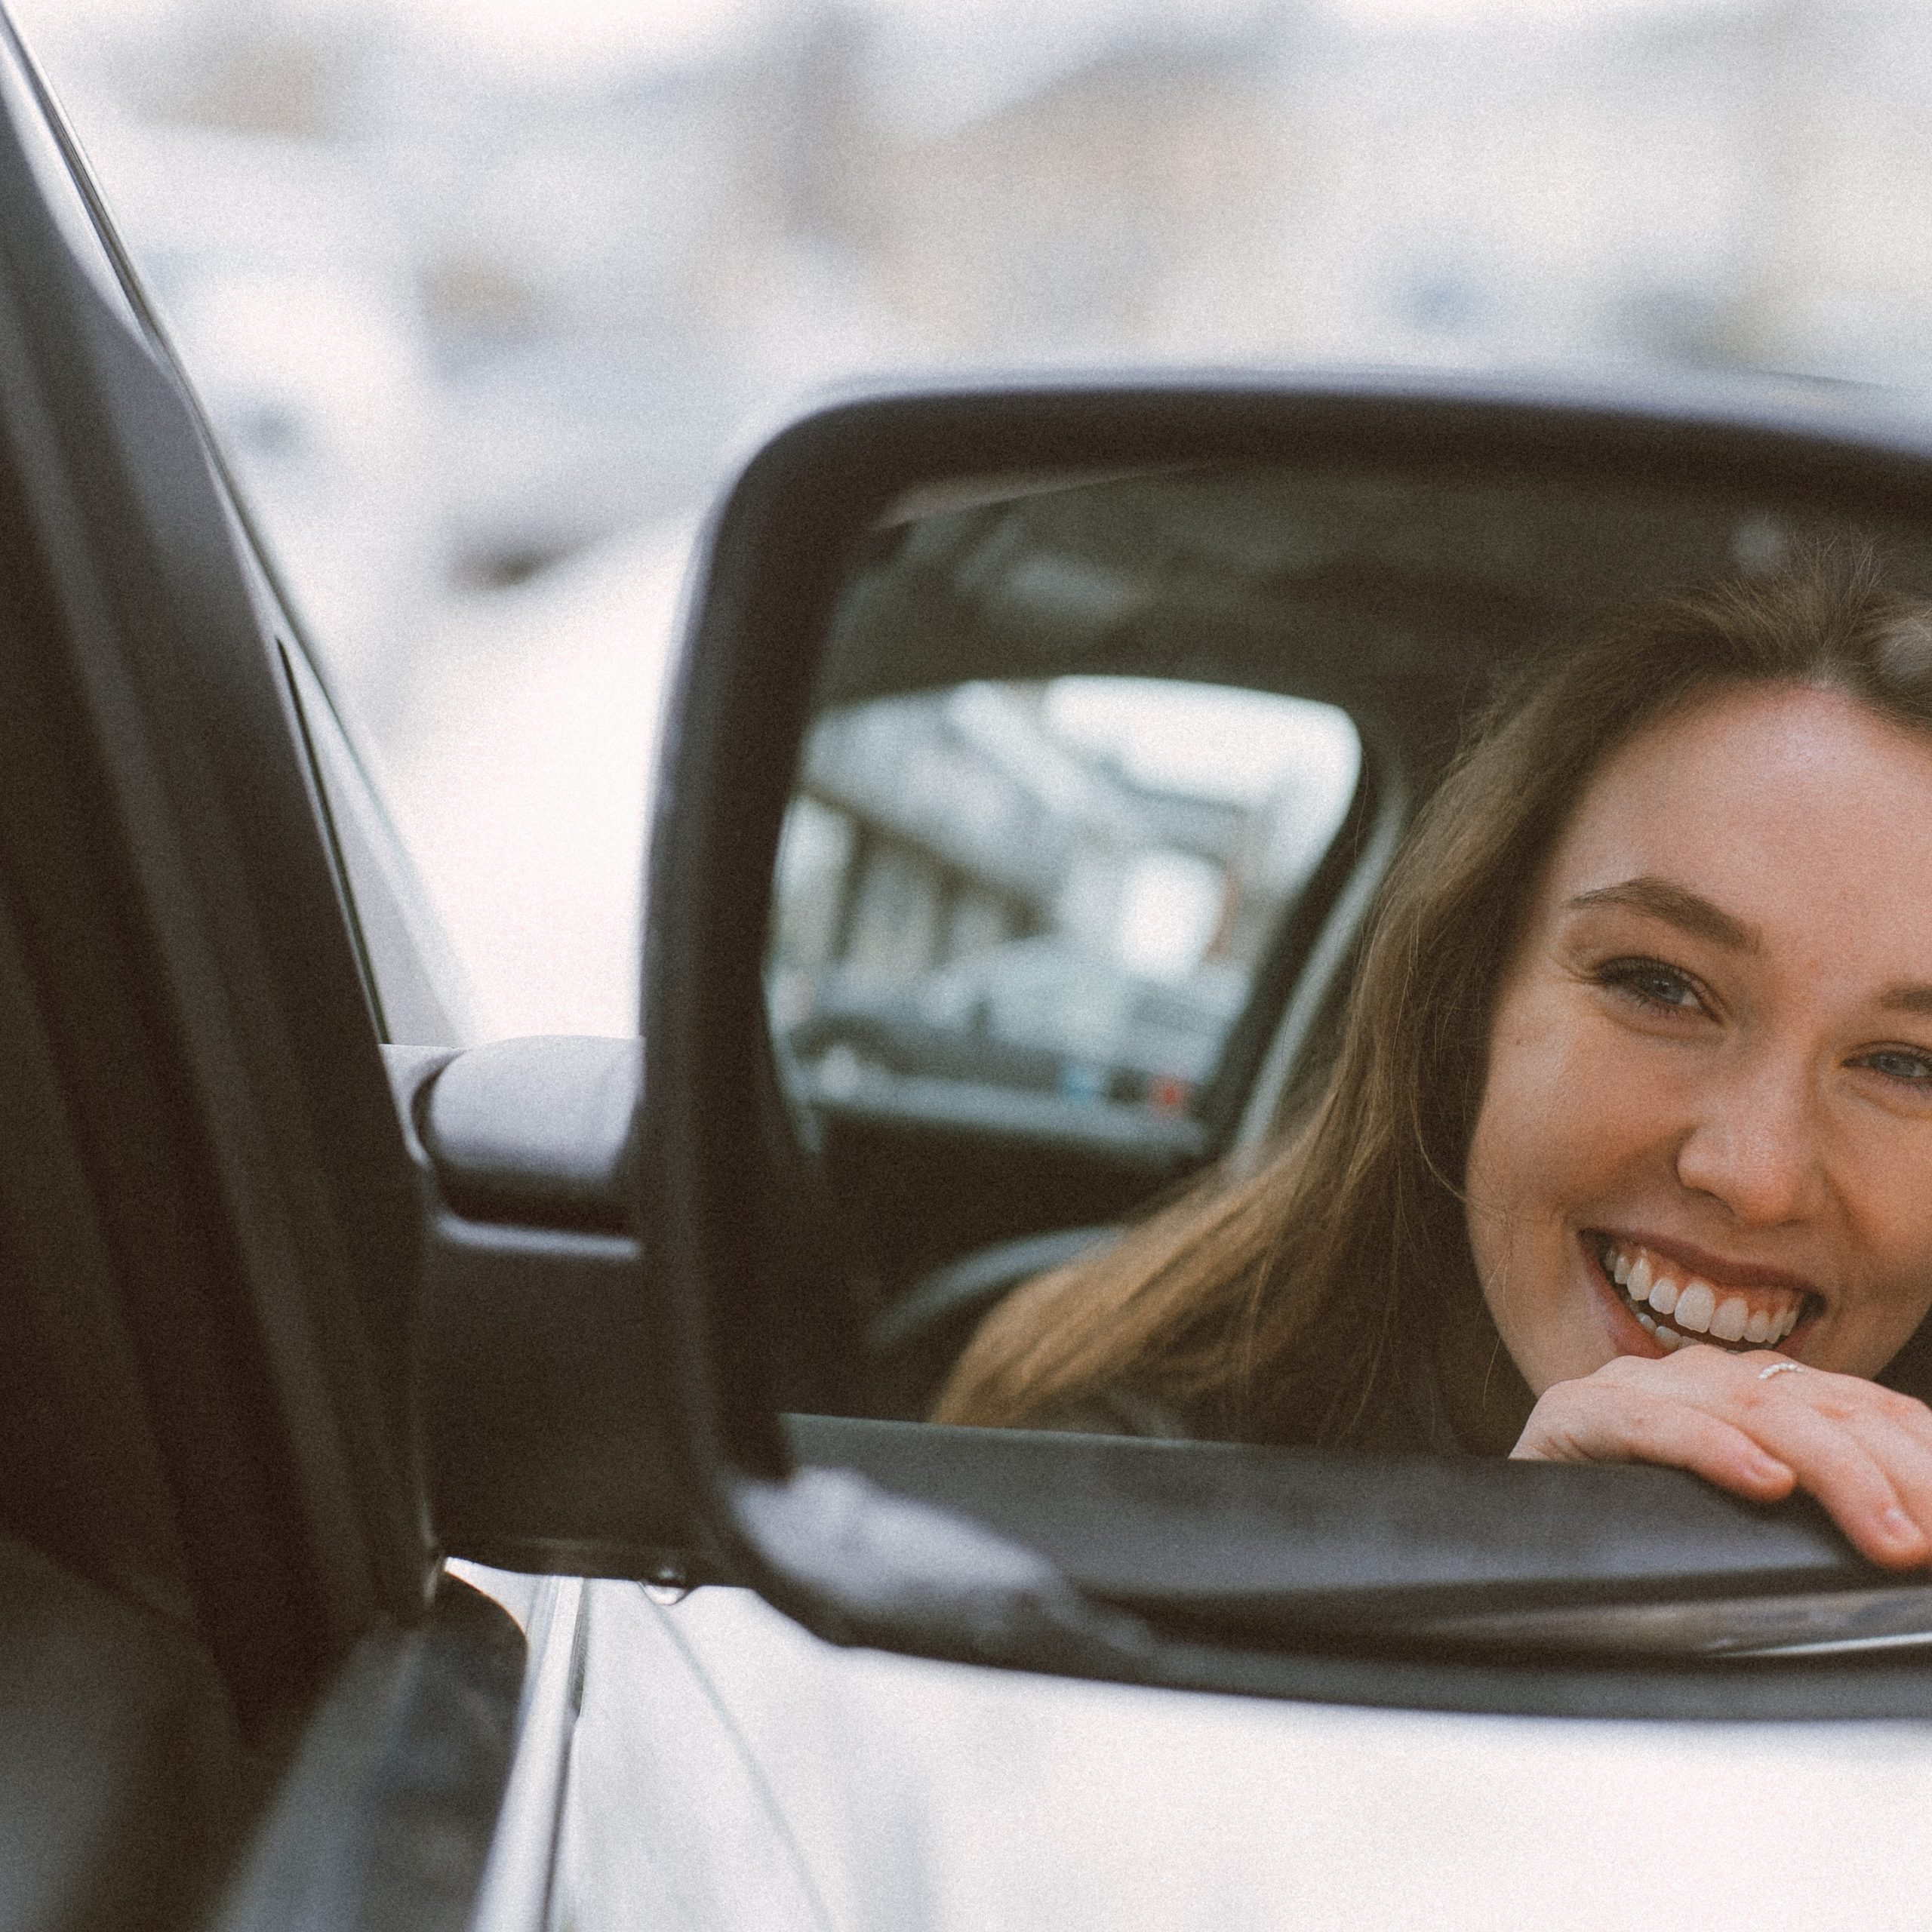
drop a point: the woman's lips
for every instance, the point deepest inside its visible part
(1671, 1306)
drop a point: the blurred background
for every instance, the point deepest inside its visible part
(484, 296)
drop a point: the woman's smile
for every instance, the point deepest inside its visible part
(1676, 1297)
(1707, 1116)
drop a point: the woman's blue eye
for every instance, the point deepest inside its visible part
(1653, 984)
(1914, 1068)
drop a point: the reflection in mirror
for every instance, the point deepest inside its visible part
(1004, 899)
(1103, 779)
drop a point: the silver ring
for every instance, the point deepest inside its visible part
(1781, 1368)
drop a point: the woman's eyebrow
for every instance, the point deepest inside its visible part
(1691, 912)
(1679, 905)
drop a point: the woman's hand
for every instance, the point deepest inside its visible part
(1864, 1452)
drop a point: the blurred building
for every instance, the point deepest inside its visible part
(608, 276)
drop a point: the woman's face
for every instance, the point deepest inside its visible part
(1710, 1066)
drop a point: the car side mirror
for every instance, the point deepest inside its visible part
(629, 1310)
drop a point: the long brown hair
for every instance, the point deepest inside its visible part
(1269, 1307)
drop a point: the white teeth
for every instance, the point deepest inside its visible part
(1729, 1323)
(1695, 1307)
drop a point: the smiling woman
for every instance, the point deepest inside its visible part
(1631, 1116)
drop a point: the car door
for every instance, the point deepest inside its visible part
(239, 1687)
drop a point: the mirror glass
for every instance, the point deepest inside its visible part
(1103, 774)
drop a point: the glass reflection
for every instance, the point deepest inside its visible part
(1060, 888)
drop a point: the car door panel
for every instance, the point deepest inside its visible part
(218, 1613)
(384, 1817)
(123, 1776)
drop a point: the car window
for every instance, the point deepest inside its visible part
(1063, 888)
(416, 982)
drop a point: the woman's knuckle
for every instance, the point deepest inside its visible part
(1896, 1406)
(1840, 1405)
(1626, 1371)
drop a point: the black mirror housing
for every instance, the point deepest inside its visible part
(681, 1443)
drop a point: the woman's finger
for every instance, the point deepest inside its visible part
(1857, 1448)
(1863, 1451)
(1593, 1421)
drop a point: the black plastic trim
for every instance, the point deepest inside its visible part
(384, 1819)
(535, 1131)
(1261, 1540)
(1286, 1574)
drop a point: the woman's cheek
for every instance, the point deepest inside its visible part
(1567, 1135)
(1602, 1095)
(1564, 1105)
(1879, 1178)
(1527, 1156)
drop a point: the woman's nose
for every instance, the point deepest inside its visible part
(1754, 1147)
